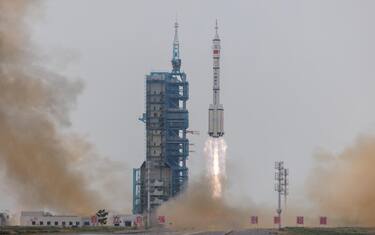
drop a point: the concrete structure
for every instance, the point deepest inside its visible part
(164, 173)
(216, 110)
(41, 218)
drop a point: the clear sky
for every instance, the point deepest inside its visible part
(297, 77)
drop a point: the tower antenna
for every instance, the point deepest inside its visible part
(176, 61)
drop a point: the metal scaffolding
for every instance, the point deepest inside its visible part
(167, 147)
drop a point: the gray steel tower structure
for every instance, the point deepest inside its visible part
(216, 110)
(164, 173)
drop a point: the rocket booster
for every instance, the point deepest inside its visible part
(216, 110)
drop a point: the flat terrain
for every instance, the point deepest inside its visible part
(241, 232)
(329, 231)
(296, 231)
(44, 230)
(116, 230)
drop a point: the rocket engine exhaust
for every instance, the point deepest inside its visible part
(215, 149)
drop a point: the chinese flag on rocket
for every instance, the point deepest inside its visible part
(323, 220)
(254, 219)
(276, 220)
(299, 219)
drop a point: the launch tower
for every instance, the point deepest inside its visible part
(164, 173)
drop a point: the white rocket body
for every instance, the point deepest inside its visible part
(216, 110)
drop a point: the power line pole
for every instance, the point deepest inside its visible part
(280, 186)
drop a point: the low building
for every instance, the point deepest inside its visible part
(41, 218)
(123, 220)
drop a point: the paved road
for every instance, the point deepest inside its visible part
(235, 232)
(253, 232)
(239, 232)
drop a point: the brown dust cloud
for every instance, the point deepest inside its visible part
(343, 185)
(196, 209)
(340, 186)
(42, 163)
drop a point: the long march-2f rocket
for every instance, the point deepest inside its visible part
(216, 110)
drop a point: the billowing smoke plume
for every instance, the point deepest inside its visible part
(197, 209)
(41, 161)
(203, 205)
(342, 186)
